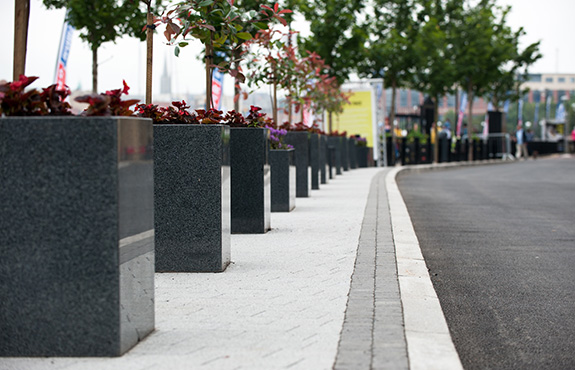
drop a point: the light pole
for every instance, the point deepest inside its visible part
(567, 132)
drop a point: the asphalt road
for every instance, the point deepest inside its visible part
(499, 241)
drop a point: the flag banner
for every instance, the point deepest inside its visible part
(520, 112)
(548, 108)
(63, 53)
(461, 113)
(536, 114)
(217, 88)
(560, 112)
(307, 115)
(486, 126)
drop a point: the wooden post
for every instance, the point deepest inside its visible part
(237, 91)
(21, 17)
(275, 107)
(149, 55)
(208, 60)
(94, 69)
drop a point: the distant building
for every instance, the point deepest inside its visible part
(555, 85)
(409, 101)
(541, 85)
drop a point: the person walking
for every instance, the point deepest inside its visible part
(521, 148)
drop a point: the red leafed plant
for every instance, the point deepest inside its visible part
(257, 119)
(235, 119)
(210, 116)
(109, 103)
(15, 101)
(150, 111)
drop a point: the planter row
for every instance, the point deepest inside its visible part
(91, 209)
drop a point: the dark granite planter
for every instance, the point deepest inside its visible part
(192, 198)
(299, 140)
(362, 153)
(323, 160)
(352, 153)
(335, 143)
(76, 231)
(283, 171)
(314, 158)
(331, 161)
(251, 189)
(344, 153)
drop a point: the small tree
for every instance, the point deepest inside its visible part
(268, 63)
(435, 73)
(102, 21)
(390, 52)
(336, 36)
(487, 55)
(214, 22)
(149, 28)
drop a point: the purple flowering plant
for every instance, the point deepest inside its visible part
(360, 141)
(276, 139)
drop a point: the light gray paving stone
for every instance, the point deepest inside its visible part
(279, 305)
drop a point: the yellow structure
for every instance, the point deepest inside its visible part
(358, 117)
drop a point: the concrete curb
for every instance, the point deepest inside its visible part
(429, 343)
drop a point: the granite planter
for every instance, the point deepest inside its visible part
(299, 140)
(331, 161)
(362, 154)
(283, 179)
(352, 153)
(192, 197)
(314, 159)
(76, 225)
(335, 143)
(323, 160)
(344, 153)
(250, 174)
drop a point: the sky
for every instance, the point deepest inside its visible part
(548, 21)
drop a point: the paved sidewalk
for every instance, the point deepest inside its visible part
(283, 302)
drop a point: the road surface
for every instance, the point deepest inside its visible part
(499, 241)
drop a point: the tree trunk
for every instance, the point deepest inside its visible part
(275, 102)
(208, 60)
(456, 117)
(290, 114)
(435, 120)
(95, 69)
(237, 91)
(470, 122)
(330, 122)
(149, 55)
(392, 117)
(21, 17)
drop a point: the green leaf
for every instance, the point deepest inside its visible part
(205, 3)
(183, 44)
(261, 25)
(177, 51)
(244, 35)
